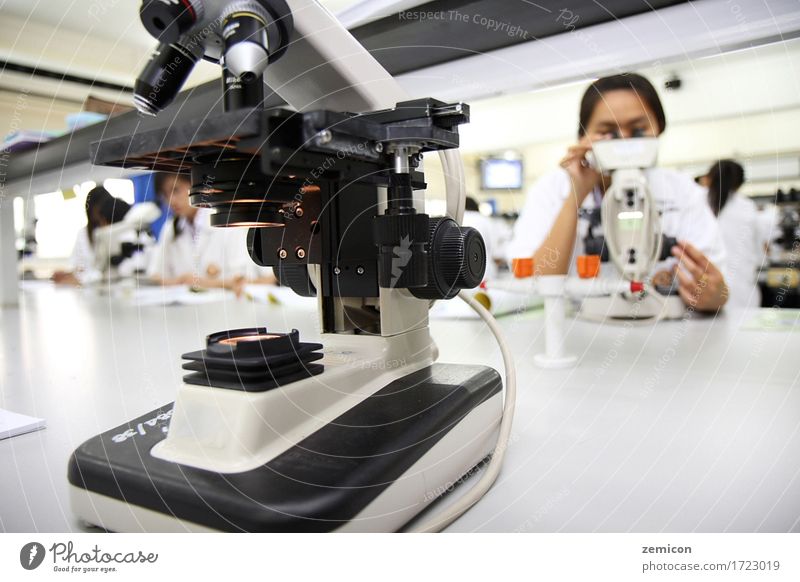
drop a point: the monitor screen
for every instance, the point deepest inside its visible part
(501, 174)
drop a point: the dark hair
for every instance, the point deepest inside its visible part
(724, 178)
(159, 184)
(472, 204)
(99, 201)
(624, 81)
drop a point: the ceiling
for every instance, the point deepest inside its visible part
(102, 40)
(106, 19)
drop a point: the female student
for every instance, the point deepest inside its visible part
(192, 252)
(102, 209)
(742, 229)
(551, 226)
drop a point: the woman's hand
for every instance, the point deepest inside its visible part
(235, 284)
(185, 279)
(65, 278)
(584, 177)
(700, 284)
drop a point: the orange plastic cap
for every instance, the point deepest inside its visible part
(588, 266)
(522, 267)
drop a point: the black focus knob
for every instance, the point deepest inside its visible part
(168, 20)
(596, 245)
(667, 242)
(456, 260)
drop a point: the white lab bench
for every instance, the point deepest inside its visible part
(691, 425)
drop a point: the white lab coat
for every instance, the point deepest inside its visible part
(200, 249)
(82, 261)
(744, 235)
(685, 215)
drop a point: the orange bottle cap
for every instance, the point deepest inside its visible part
(522, 267)
(588, 266)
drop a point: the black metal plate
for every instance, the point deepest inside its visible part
(266, 382)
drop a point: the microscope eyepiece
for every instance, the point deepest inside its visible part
(162, 78)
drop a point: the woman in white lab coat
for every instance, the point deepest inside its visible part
(192, 252)
(553, 222)
(102, 209)
(742, 229)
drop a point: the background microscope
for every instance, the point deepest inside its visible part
(632, 237)
(122, 248)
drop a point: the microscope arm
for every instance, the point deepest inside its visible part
(338, 73)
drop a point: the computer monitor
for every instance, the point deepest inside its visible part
(501, 174)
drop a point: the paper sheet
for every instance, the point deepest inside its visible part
(774, 320)
(13, 424)
(177, 295)
(500, 303)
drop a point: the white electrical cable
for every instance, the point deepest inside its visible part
(462, 186)
(450, 188)
(492, 470)
(455, 187)
(456, 196)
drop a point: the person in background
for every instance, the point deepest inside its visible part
(551, 226)
(192, 252)
(742, 231)
(102, 209)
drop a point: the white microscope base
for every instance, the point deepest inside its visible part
(463, 448)
(612, 308)
(231, 431)
(470, 424)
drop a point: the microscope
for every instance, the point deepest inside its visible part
(632, 237)
(121, 249)
(363, 429)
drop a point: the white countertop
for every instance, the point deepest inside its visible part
(682, 426)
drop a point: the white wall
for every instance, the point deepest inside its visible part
(744, 105)
(33, 112)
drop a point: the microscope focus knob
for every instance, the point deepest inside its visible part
(457, 260)
(667, 242)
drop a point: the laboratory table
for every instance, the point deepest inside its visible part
(683, 426)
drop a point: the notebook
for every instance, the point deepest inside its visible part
(13, 424)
